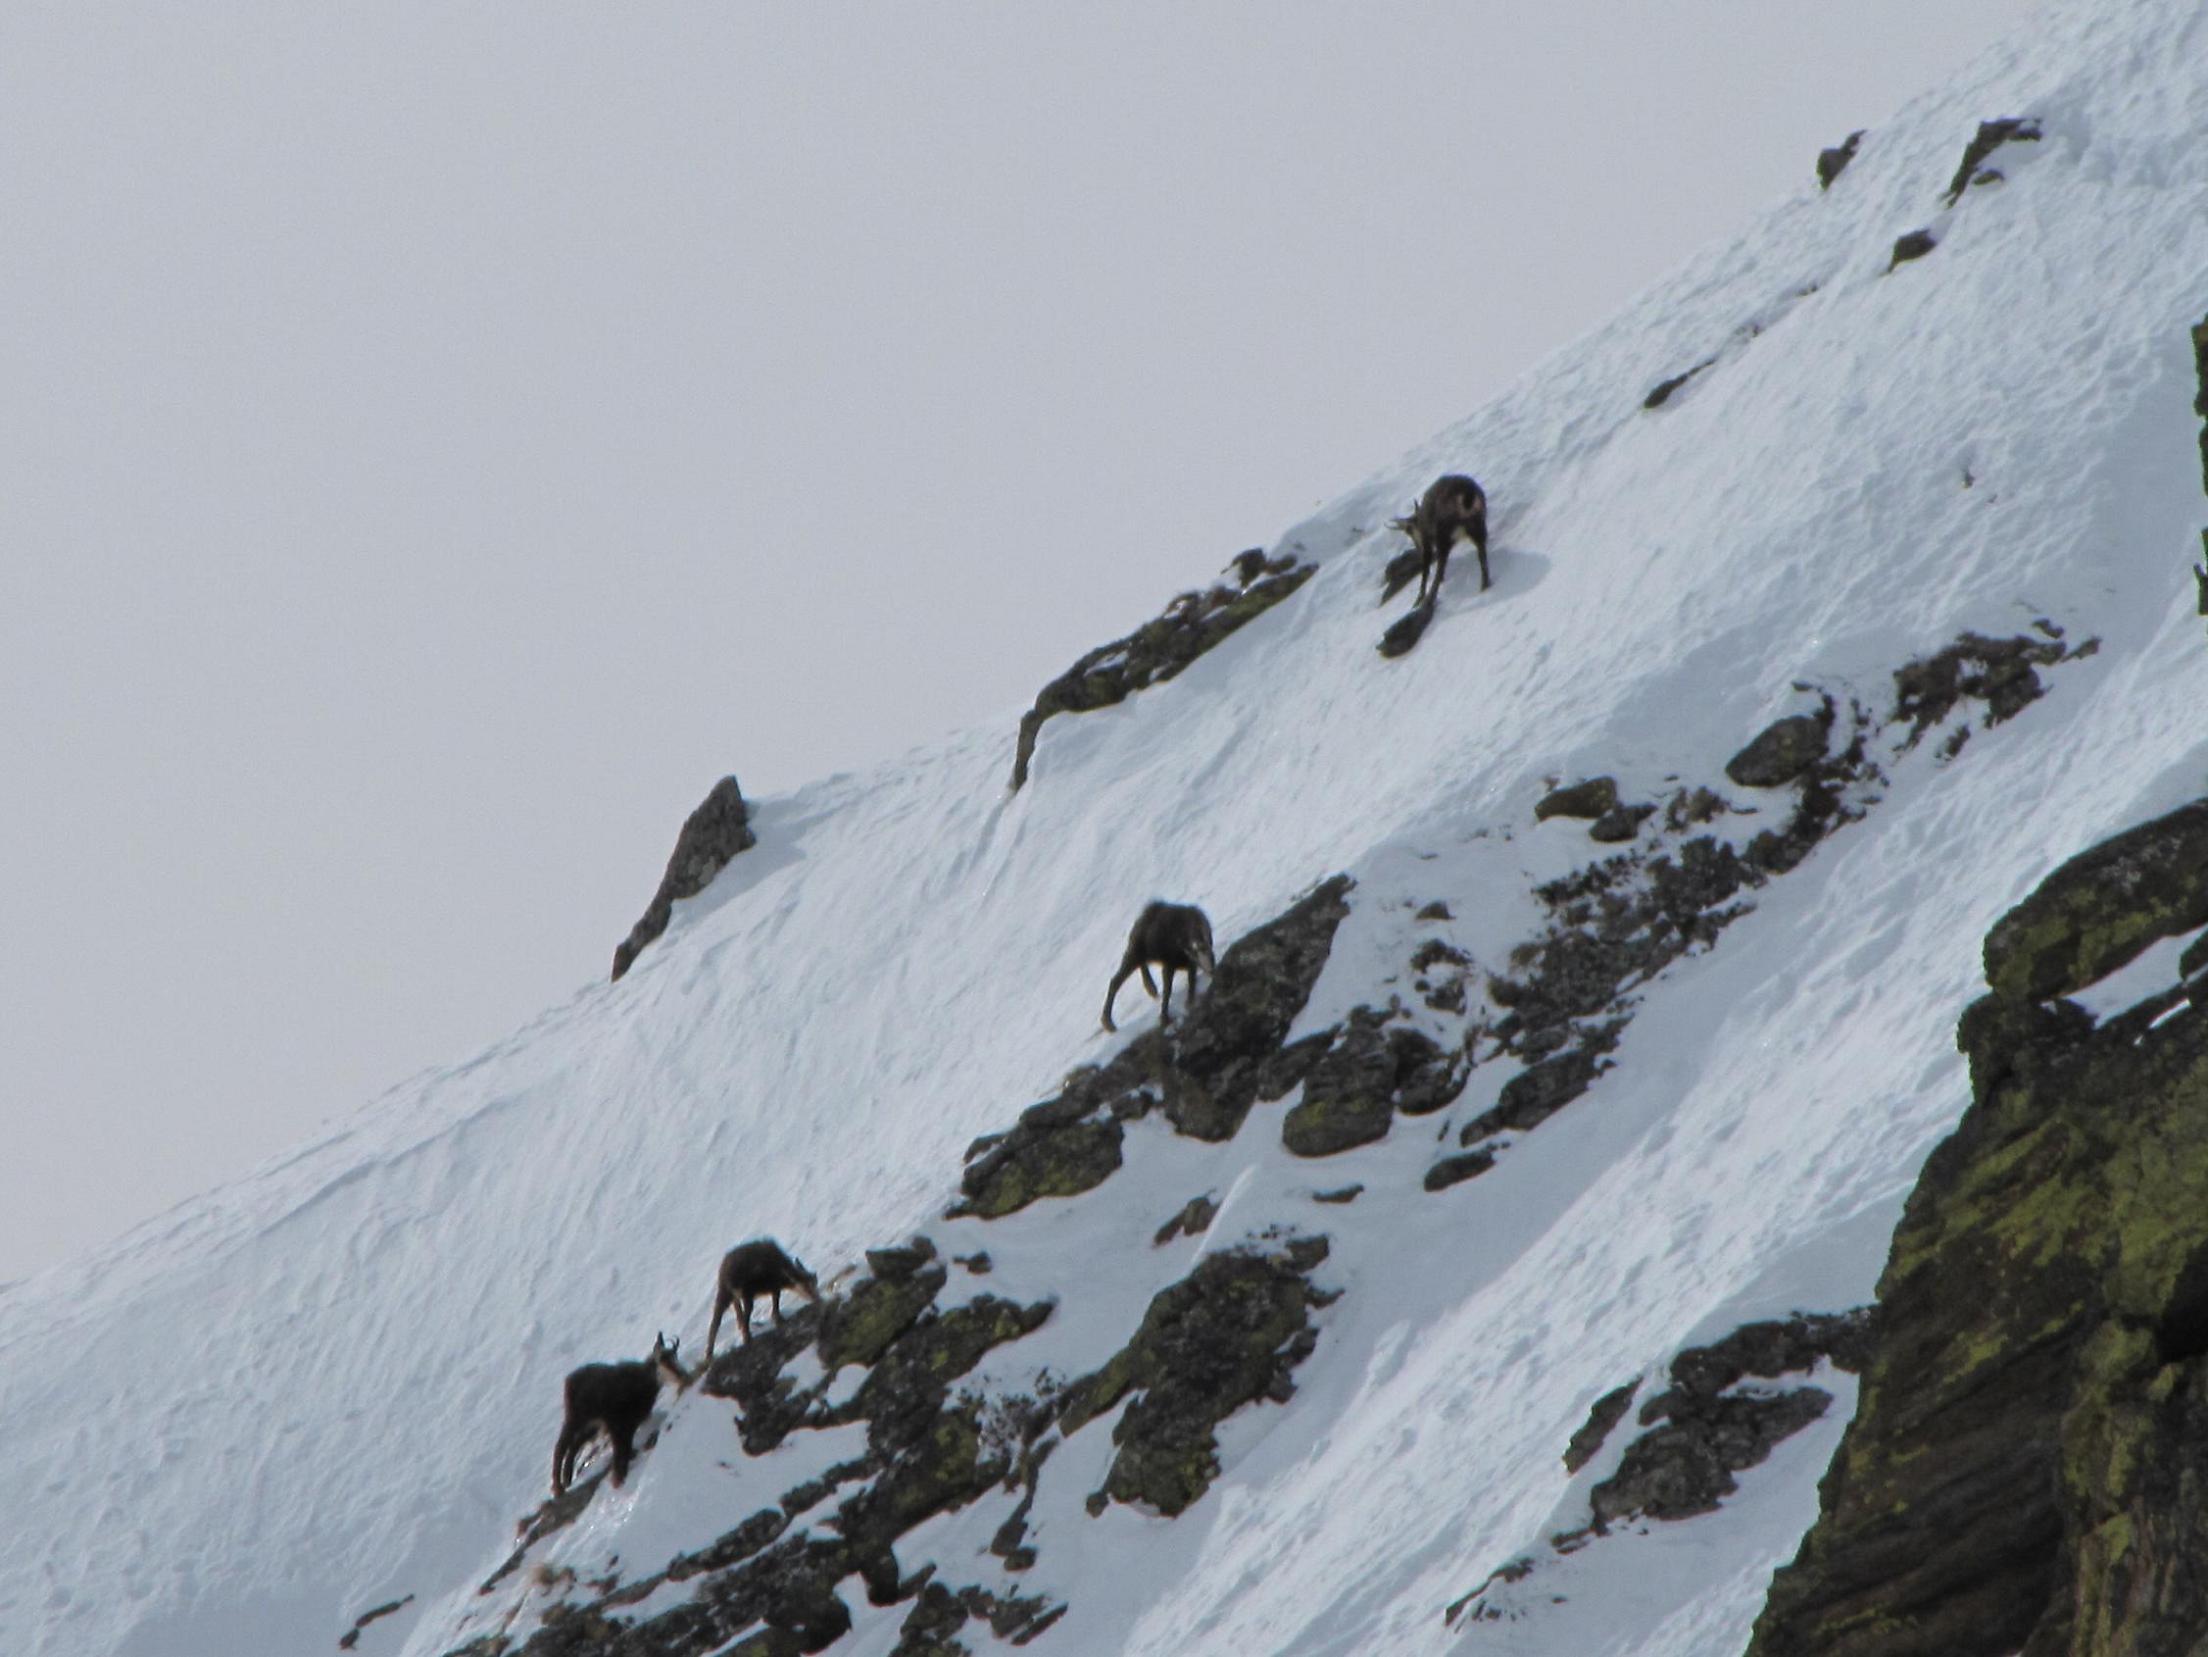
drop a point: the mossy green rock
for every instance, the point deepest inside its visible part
(1224, 1336)
(2021, 1473)
(1589, 800)
(1045, 1160)
(858, 1328)
(2103, 907)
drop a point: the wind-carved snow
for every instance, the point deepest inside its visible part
(336, 1382)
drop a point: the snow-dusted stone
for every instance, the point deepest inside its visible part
(2103, 907)
(1781, 751)
(711, 835)
(1588, 800)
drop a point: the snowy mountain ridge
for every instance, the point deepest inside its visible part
(334, 1384)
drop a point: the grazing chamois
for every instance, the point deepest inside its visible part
(748, 1271)
(614, 1399)
(1175, 936)
(1453, 508)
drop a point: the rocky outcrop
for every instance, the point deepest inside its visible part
(1833, 162)
(2017, 1476)
(1782, 750)
(1998, 672)
(1703, 1432)
(1991, 135)
(1227, 1052)
(712, 834)
(1228, 1334)
(1587, 800)
(1192, 624)
(1915, 245)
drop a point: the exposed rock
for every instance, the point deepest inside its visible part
(2103, 908)
(940, 1612)
(1347, 1193)
(1192, 1221)
(1228, 1334)
(1782, 751)
(1620, 823)
(711, 835)
(1607, 1412)
(1406, 630)
(351, 1637)
(1436, 911)
(1915, 245)
(1540, 1090)
(1043, 1157)
(1192, 624)
(1204, 1073)
(1455, 1170)
(857, 1327)
(2020, 1472)
(1704, 1434)
(1590, 799)
(1997, 672)
(1370, 1071)
(1687, 1465)
(1660, 394)
(1833, 162)
(1991, 135)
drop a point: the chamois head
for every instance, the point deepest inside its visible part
(666, 1364)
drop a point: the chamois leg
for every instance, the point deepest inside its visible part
(1441, 569)
(574, 1439)
(713, 1329)
(1479, 545)
(1149, 984)
(778, 1308)
(743, 1316)
(1165, 1002)
(1126, 971)
(624, 1452)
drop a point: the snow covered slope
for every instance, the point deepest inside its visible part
(335, 1383)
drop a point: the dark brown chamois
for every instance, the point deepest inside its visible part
(1453, 508)
(748, 1271)
(1175, 936)
(614, 1399)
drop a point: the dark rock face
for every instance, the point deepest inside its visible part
(1997, 672)
(1833, 162)
(1156, 651)
(1781, 751)
(1228, 1334)
(1455, 1170)
(1991, 135)
(1204, 1073)
(1661, 393)
(930, 1629)
(1704, 1434)
(1192, 1221)
(2019, 1475)
(712, 834)
(1607, 1412)
(1620, 823)
(2103, 908)
(1367, 1073)
(1915, 245)
(1591, 799)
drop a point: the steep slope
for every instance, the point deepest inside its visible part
(334, 1384)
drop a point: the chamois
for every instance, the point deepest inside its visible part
(614, 1399)
(1175, 936)
(1453, 507)
(748, 1271)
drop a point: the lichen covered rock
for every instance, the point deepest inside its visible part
(1192, 624)
(1228, 1334)
(2016, 1475)
(2103, 908)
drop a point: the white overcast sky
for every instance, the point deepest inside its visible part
(437, 441)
